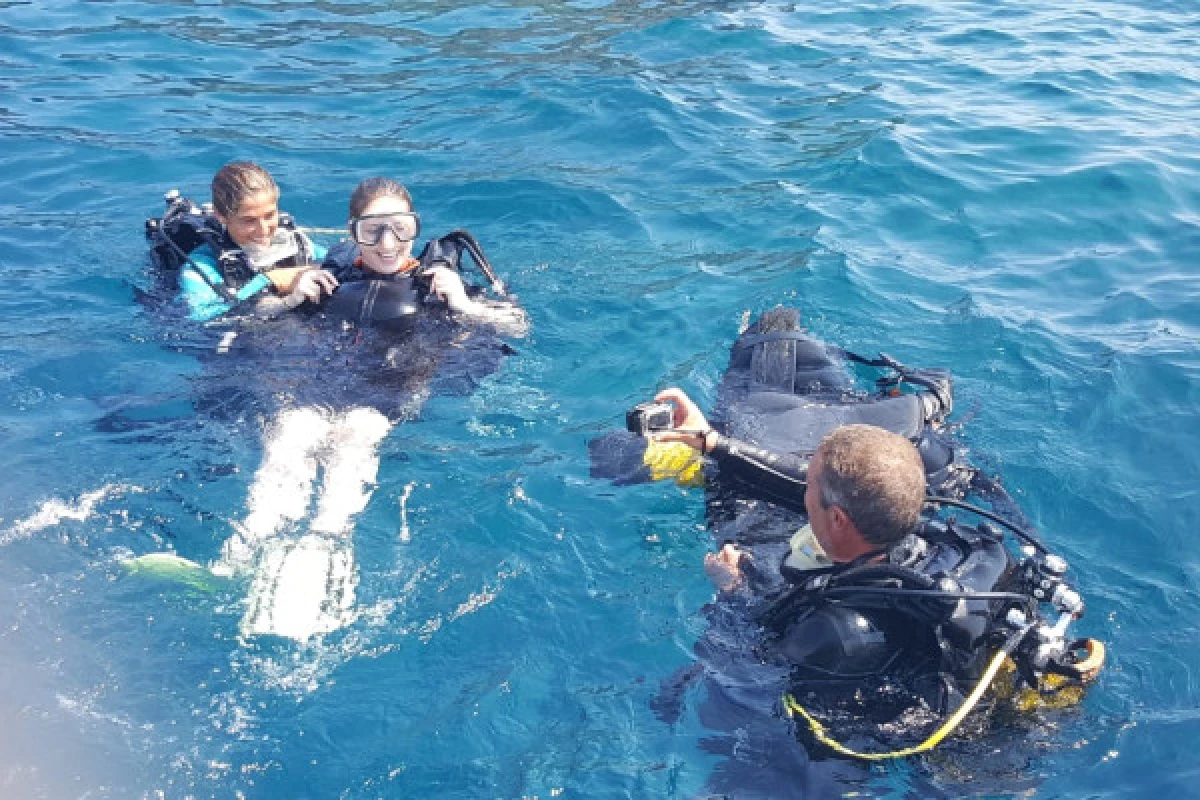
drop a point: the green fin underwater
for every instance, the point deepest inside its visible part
(173, 568)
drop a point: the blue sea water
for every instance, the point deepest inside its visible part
(1008, 190)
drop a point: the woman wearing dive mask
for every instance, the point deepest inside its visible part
(384, 227)
(255, 254)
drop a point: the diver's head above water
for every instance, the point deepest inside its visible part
(863, 488)
(866, 488)
(384, 225)
(246, 202)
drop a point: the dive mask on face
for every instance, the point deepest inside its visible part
(263, 256)
(805, 552)
(369, 230)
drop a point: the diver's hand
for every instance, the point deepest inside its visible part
(506, 318)
(691, 427)
(448, 287)
(725, 567)
(312, 286)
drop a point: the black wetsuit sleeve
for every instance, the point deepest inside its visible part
(779, 478)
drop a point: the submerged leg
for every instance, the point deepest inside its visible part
(282, 487)
(303, 587)
(351, 467)
(306, 587)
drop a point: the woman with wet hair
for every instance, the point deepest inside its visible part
(383, 227)
(255, 261)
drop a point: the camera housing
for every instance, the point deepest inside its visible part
(649, 417)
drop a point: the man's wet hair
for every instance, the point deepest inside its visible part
(876, 477)
(372, 189)
(237, 181)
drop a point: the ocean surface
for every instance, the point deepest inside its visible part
(1007, 190)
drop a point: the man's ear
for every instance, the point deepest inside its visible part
(842, 530)
(839, 518)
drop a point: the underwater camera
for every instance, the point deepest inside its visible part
(649, 417)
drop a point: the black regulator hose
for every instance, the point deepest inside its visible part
(1021, 533)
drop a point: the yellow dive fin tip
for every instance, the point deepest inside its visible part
(673, 460)
(170, 567)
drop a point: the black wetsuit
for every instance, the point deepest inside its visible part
(828, 643)
(782, 393)
(840, 644)
(778, 478)
(329, 355)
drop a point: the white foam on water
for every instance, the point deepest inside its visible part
(54, 511)
(484, 596)
(405, 531)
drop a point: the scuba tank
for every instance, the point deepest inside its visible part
(984, 612)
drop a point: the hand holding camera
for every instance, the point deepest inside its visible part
(672, 417)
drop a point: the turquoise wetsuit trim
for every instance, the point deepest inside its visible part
(196, 281)
(196, 284)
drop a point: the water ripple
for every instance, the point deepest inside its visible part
(1009, 191)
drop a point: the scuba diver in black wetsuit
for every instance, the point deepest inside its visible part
(239, 253)
(380, 281)
(369, 325)
(872, 602)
